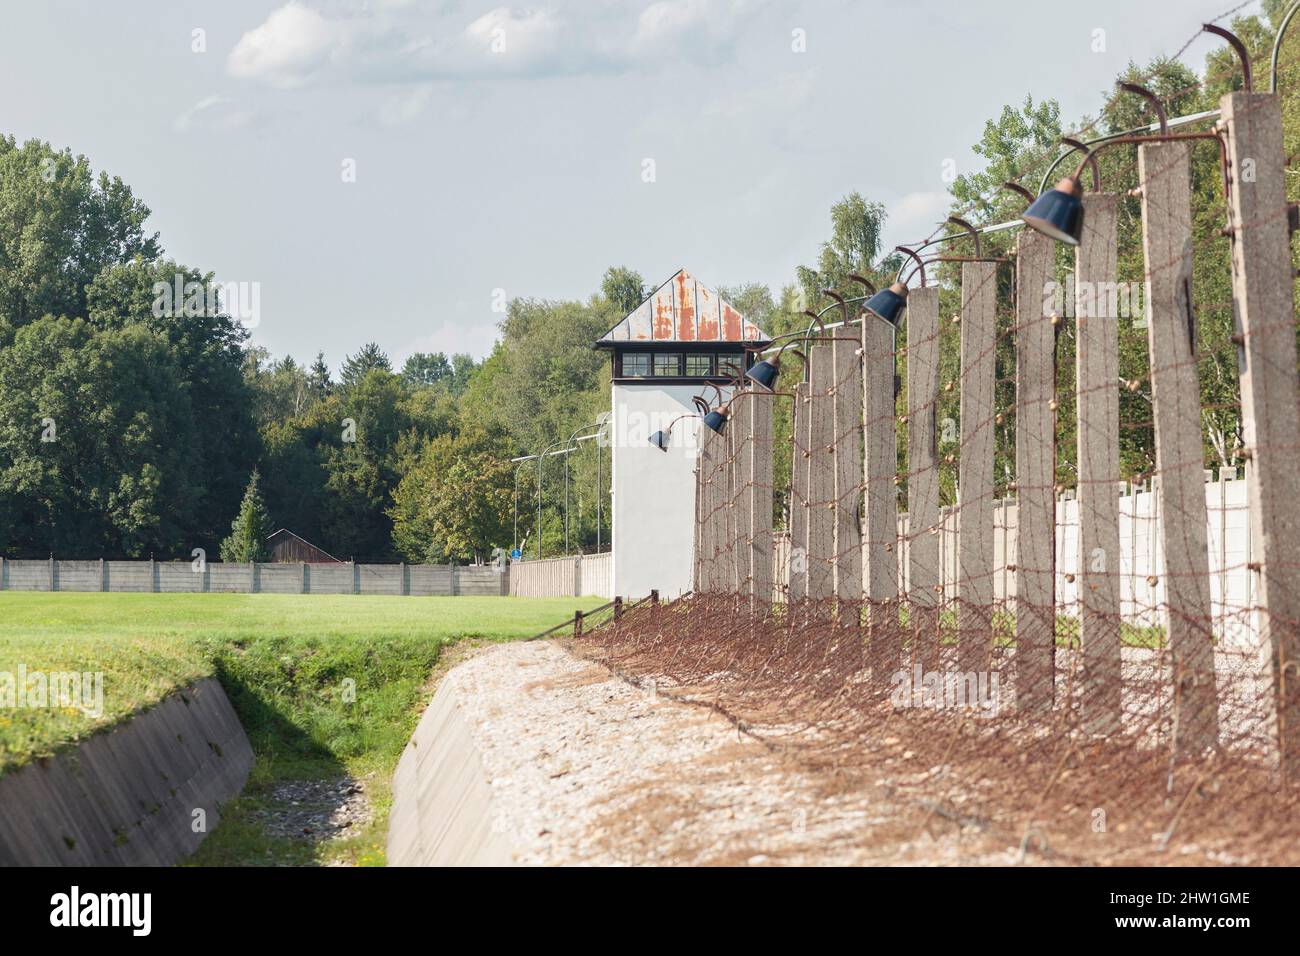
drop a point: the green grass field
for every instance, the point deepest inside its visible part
(287, 663)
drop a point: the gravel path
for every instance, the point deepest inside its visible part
(586, 769)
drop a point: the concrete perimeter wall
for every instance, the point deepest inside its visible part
(575, 576)
(126, 797)
(442, 802)
(178, 577)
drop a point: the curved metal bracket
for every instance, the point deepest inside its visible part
(972, 231)
(1277, 46)
(1020, 191)
(864, 282)
(1151, 98)
(1088, 158)
(1237, 45)
(920, 264)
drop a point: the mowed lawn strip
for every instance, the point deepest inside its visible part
(289, 662)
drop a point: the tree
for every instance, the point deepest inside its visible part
(318, 377)
(856, 226)
(356, 367)
(100, 451)
(426, 368)
(623, 287)
(455, 503)
(60, 226)
(247, 540)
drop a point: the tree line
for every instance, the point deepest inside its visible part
(125, 433)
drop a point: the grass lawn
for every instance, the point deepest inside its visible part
(289, 663)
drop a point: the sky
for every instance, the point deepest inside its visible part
(395, 170)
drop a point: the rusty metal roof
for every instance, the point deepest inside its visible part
(684, 309)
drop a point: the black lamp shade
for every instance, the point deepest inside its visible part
(1058, 213)
(660, 440)
(887, 304)
(716, 421)
(763, 374)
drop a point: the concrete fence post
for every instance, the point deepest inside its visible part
(923, 570)
(1097, 374)
(1266, 358)
(455, 579)
(759, 502)
(577, 575)
(1035, 660)
(405, 587)
(153, 575)
(304, 586)
(356, 577)
(54, 575)
(1164, 171)
(847, 468)
(4, 578)
(797, 503)
(820, 546)
(252, 577)
(975, 466)
(103, 582)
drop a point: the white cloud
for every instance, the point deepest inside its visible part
(213, 113)
(404, 107)
(396, 42)
(452, 337)
(915, 215)
(294, 44)
(704, 29)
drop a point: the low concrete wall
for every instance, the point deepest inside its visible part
(173, 577)
(574, 576)
(127, 797)
(442, 802)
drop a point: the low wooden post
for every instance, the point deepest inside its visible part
(1165, 176)
(1266, 357)
(618, 609)
(577, 624)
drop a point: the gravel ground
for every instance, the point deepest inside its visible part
(587, 769)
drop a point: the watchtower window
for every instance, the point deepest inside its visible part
(699, 364)
(668, 363)
(636, 364)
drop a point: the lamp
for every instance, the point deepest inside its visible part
(661, 439)
(1058, 213)
(888, 303)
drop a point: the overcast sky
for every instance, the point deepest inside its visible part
(523, 169)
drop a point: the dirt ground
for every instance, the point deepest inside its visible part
(588, 769)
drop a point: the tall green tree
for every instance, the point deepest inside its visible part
(248, 532)
(60, 226)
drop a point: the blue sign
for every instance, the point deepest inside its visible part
(516, 554)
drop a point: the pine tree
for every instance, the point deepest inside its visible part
(318, 377)
(247, 541)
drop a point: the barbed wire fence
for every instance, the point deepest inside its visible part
(1076, 731)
